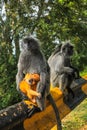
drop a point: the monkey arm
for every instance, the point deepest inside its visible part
(61, 68)
(76, 72)
(20, 74)
(32, 92)
(68, 70)
(41, 86)
(64, 69)
(19, 77)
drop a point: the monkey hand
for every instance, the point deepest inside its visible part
(39, 95)
(69, 70)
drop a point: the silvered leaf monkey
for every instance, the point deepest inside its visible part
(62, 72)
(32, 61)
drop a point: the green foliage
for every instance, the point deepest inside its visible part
(8, 93)
(51, 22)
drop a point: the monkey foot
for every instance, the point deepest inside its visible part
(33, 110)
(29, 103)
(69, 97)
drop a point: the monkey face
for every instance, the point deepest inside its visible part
(68, 49)
(32, 79)
(29, 43)
(32, 82)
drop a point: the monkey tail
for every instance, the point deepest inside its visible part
(59, 126)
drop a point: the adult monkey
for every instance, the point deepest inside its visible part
(62, 72)
(31, 60)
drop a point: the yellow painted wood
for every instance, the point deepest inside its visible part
(84, 87)
(54, 128)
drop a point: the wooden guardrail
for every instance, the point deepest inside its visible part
(15, 116)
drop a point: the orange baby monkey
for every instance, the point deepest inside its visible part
(28, 86)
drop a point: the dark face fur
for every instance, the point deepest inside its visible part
(28, 43)
(67, 49)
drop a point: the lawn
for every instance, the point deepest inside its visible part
(77, 118)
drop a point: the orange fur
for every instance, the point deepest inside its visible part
(28, 86)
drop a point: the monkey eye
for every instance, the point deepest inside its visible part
(25, 42)
(30, 80)
(71, 47)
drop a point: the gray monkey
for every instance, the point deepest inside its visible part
(31, 60)
(62, 72)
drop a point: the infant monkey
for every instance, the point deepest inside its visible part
(28, 86)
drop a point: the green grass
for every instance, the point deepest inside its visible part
(77, 118)
(84, 72)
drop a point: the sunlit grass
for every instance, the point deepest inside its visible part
(83, 72)
(77, 118)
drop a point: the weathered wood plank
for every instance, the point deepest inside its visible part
(12, 116)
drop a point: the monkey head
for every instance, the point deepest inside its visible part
(32, 79)
(28, 86)
(30, 43)
(68, 49)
